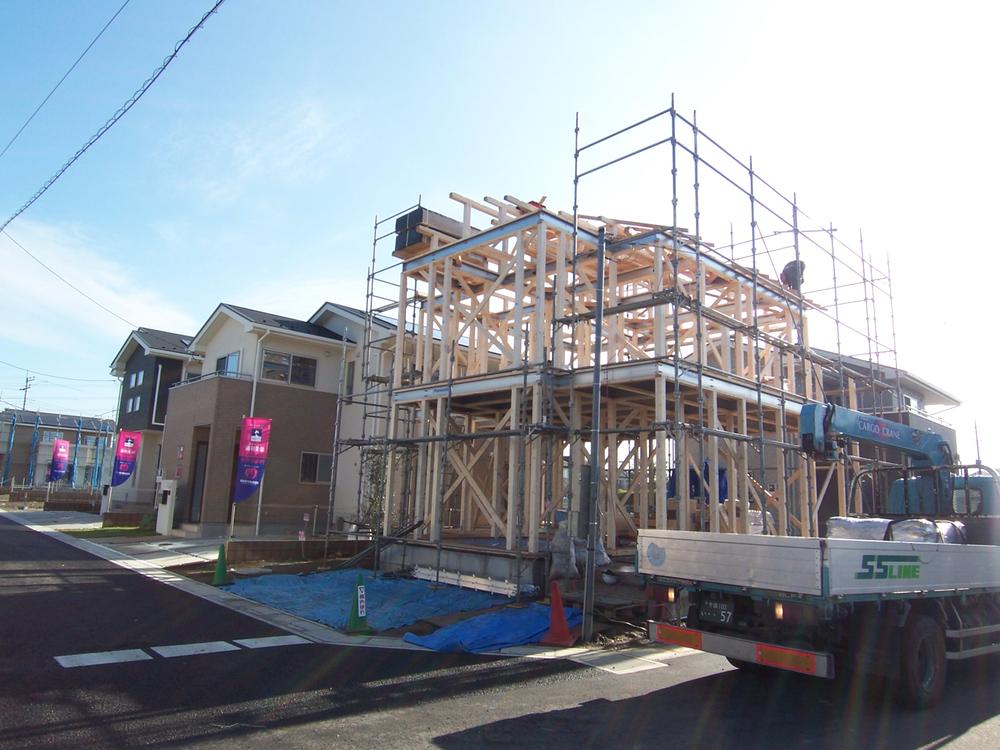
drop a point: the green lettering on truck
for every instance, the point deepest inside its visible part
(888, 567)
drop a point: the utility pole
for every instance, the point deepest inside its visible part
(27, 385)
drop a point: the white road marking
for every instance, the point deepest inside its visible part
(102, 657)
(194, 649)
(632, 660)
(275, 640)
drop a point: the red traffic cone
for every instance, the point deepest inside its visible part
(558, 633)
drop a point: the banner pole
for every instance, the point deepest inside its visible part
(260, 503)
(232, 522)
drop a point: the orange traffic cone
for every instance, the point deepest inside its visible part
(558, 633)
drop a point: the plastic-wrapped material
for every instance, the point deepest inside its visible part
(601, 558)
(757, 522)
(563, 556)
(844, 527)
(952, 532)
(914, 530)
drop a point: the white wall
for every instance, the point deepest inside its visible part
(228, 336)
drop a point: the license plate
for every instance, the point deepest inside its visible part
(716, 610)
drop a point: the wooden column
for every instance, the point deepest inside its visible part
(713, 462)
(514, 461)
(611, 491)
(660, 483)
(743, 468)
(534, 484)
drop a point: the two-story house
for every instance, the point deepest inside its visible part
(264, 365)
(148, 363)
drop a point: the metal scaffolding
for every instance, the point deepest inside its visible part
(533, 365)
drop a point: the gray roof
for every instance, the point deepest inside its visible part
(888, 374)
(163, 340)
(288, 324)
(388, 322)
(64, 421)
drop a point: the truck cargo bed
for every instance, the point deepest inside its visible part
(843, 568)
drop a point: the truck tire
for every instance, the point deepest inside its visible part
(923, 667)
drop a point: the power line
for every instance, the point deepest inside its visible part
(65, 75)
(57, 377)
(131, 102)
(66, 281)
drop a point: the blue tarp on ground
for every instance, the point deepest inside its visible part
(391, 602)
(493, 630)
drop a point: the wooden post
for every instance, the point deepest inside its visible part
(713, 462)
(660, 484)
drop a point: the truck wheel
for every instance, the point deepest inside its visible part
(923, 662)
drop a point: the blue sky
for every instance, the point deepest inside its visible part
(252, 170)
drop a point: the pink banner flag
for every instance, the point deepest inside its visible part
(125, 456)
(255, 437)
(60, 460)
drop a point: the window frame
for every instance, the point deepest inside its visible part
(317, 472)
(349, 379)
(226, 359)
(289, 367)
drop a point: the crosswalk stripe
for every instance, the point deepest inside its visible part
(193, 649)
(275, 640)
(102, 657)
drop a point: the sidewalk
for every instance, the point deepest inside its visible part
(161, 551)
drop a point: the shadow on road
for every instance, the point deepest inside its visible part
(229, 695)
(736, 710)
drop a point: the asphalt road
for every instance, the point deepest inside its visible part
(56, 600)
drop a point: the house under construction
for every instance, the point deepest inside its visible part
(534, 342)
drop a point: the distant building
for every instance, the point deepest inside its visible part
(26, 440)
(892, 393)
(148, 363)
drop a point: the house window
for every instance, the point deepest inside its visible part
(349, 379)
(137, 400)
(131, 380)
(228, 365)
(288, 368)
(128, 406)
(315, 468)
(138, 378)
(48, 436)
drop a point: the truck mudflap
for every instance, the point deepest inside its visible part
(815, 663)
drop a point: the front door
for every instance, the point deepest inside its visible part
(198, 486)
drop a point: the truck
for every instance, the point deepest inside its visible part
(899, 590)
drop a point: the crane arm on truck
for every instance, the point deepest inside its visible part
(824, 426)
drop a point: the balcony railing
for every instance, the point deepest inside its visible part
(211, 375)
